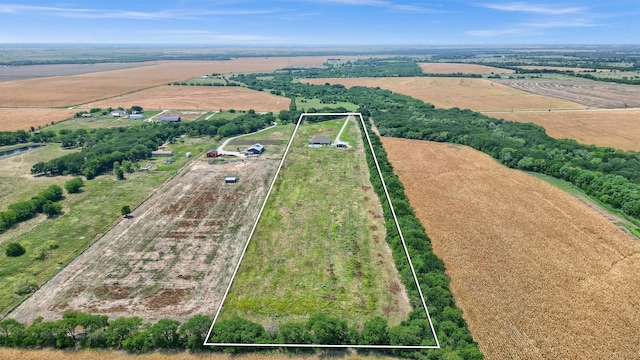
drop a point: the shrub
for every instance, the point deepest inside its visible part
(25, 287)
(14, 249)
(74, 185)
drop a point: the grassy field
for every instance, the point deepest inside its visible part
(85, 216)
(538, 273)
(319, 246)
(306, 104)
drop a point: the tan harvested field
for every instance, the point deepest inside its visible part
(173, 258)
(591, 93)
(538, 274)
(464, 93)
(23, 119)
(198, 97)
(452, 68)
(615, 128)
(14, 354)
(64, 91)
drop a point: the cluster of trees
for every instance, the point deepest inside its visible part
(611, 175)
(80, 330)
(45, 202)
(102, 148)
(85, 331)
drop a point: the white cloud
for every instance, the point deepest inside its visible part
(384, 4)
(533, 8)
(123, 14)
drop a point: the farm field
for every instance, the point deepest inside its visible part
(452, 68)
(22, 119)
(617, 128)
(319, 246)
(537, 273)
(173, 258)
(84, 88)
(593, 94)
(13, 73)
(464, 93)
(197, 97)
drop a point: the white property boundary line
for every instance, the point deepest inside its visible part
(395, 219)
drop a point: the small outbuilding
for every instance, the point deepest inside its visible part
(230, 179)
(320, 140)
(255, 149)
(212, 154)
(136, 116)
(170, 118)
(86, 115)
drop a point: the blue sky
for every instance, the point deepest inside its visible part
(321, 22)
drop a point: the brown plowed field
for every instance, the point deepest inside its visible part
(538, 274)
(464, 93)
(64, 91)
(598, 94)
(452, 68)
(198, 97)
(173, 259)
(615, 128)
(22, 119)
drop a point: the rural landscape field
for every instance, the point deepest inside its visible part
(516, 196)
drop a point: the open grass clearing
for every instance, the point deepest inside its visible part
(617, 128)
(306, 104)
(464, 93)
(17, 183)
(537, 273)
(319, 245)
(454, 68)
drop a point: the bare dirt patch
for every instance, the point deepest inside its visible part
(464, 93)
(453, 68)
(598, 94)
(23, 119)
(198, 97)
(172, 259)
(537, 273)
(619, 129)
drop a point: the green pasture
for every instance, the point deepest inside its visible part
(312, 251)
(306, 104)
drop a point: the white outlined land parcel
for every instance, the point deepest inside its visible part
(253, 230)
